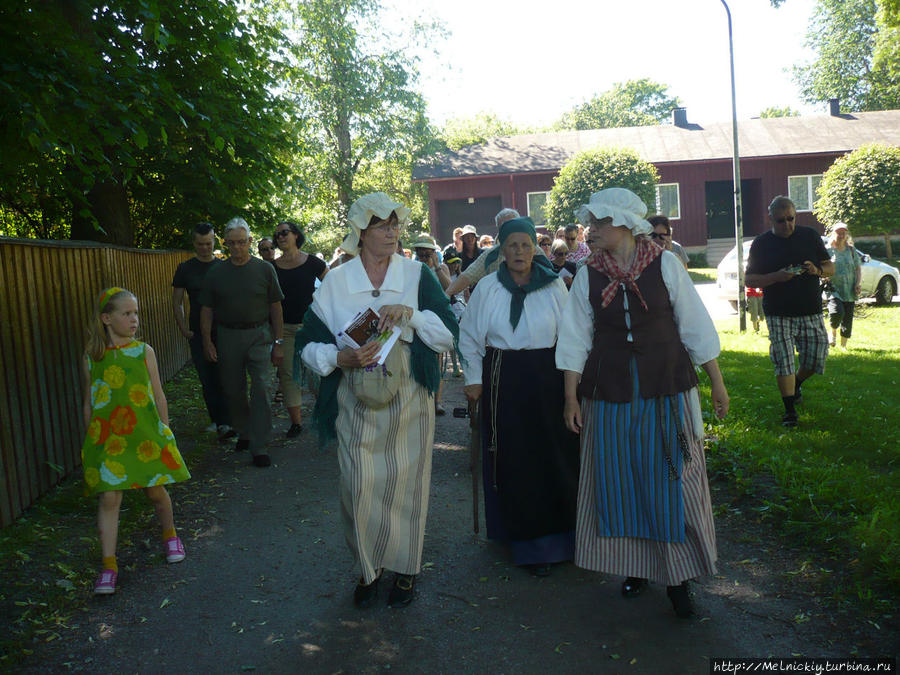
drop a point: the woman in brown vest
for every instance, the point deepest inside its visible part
(633, 330)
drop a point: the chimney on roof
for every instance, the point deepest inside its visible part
(679, 117)
(834, 107)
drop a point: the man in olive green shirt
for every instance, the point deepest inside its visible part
(242, 295)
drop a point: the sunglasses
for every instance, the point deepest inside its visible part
(281, 233)
(657, 235)
(265, 249)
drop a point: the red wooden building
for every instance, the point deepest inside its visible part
(785, 155)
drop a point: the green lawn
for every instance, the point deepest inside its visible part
(833, 483)
(700, 275)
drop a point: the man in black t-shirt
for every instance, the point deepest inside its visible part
(189, 277)
(786, 262)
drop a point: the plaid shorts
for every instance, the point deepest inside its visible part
(806, 334)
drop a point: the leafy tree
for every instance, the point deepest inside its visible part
(862, 189)
(886, 59)
(356, 82)
(775, 111)
(131, 119)
(844, 35)
(628, 104)
(593, 170)
(462, 131)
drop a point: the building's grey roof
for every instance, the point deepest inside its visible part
(777, 136)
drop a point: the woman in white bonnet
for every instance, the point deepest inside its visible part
(384, 445)
(633, 332)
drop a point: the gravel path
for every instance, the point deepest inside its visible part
(268, 580)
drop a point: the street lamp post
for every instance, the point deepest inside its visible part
(736, 165)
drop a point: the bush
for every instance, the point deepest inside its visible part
(593, 170)
(862, 189)
(697, 260)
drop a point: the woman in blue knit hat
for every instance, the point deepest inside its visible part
(507, 337)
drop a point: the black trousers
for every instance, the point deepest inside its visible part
(209, 381)
(840, 313)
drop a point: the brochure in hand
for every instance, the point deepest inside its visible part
(363, 328)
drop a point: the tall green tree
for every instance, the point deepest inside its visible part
(862, 189)
(627, 104)
(775, 111)
(130, 119)
(356, 81)
(593, 170)
(844, 35)
(462, 131)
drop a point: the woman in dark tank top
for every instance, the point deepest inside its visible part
(297, 273)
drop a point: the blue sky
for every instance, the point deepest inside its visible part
(530, 61)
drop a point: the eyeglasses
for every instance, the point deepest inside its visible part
(386, 226)
(785, 219)
(659, 235)
(281, 233)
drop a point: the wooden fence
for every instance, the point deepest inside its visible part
(47, 291)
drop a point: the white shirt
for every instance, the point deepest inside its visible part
(486, 322)
(695, 327)
(347, 289)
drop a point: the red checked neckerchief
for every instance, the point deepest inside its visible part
(645, 253)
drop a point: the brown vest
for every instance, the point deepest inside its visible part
(663, 364)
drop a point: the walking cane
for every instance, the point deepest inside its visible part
(475, 456)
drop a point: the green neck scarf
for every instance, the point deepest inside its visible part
(540, 277)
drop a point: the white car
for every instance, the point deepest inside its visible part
(879, 280)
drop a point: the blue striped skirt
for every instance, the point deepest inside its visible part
(639, 451)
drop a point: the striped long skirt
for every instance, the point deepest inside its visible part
(665, 535)
(385, 461)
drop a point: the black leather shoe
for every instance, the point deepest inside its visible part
(540, 569)
(681, 600)
(242, 444)
(633, 587)
(294, 431)
(402, 591)
(364, 595)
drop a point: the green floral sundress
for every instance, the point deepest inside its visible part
(127, 446)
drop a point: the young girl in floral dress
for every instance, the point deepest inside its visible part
(129, 444)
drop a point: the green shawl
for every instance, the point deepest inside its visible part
(424, 360)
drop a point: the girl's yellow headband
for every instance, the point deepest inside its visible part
(106, 295)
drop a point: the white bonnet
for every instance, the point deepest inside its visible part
(624, 207)
(361, 212)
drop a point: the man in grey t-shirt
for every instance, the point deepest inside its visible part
(244, 297)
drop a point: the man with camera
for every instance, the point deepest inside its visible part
(426, 252)
(786, 262)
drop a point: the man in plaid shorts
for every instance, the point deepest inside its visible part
(786, 262)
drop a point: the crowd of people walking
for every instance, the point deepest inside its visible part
(579, 350)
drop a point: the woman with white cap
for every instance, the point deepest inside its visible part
(843, 286)
(634, 330)
(530, 463)
(384, 437)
